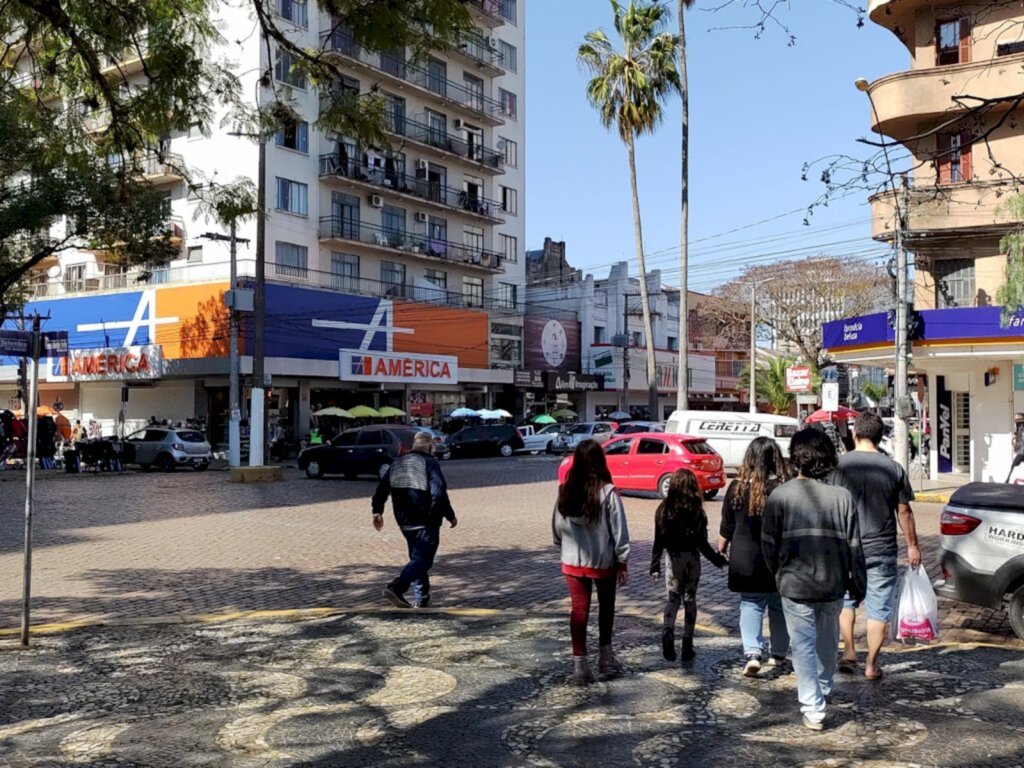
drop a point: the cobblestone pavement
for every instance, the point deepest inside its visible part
(386, 689)
(144, 545)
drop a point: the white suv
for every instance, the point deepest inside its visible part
(982, 541)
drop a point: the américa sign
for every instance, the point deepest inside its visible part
(109, 364)
(398, 367)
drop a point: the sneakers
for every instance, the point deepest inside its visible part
(668, 644)
(813, 725)
(686, 653)
(395, 597)
(753, 666)
(423, 602)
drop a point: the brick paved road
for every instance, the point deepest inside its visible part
(137, 545)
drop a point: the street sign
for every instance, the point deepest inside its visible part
(798, 378)
(55, 344)
(15, 343)
(806, 398)
(830, 396)
(1018, 377)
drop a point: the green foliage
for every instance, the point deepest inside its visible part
(770, 382)
(874, 392)
(1011, 293)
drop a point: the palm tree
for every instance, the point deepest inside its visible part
(682, 391)
(627, 88)
(770, 382)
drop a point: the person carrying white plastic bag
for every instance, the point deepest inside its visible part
(917, 615)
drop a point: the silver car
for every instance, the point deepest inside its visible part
(982, 537)
(167, 448)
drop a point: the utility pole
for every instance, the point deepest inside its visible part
(753, 339)
(901, 431)
(30, 473)
(257, 423)
(624, 389)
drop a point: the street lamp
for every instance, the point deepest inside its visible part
(753, 338)
(902, 346)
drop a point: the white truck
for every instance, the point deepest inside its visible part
(730, 433)
(536, 441)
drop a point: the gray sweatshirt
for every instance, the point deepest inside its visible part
(603, 543)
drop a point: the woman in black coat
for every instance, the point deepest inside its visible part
(763, 470)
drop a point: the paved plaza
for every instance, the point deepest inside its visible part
(322, 674)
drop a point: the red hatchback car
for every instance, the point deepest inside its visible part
(645, 461)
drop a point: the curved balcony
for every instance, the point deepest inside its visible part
(906, 99)
(947, 211)
(898, 16)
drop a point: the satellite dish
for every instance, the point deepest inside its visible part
(500, 146)
(53, 272)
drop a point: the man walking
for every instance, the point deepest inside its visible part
(882, 493)
(419, 497)
(811, 542)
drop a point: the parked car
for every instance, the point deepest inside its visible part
(982, 539)
(731, 432)
(167, 448)
(360, 451)
(645, 461)
(485, 440)
(440, 451)
(535, 440)
(572, 435)
(630, 427)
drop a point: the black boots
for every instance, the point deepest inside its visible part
(668, 643)
(687, 653)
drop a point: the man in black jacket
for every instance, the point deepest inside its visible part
(811, 542)
(419, 497)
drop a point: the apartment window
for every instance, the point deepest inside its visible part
(474, 91)
(953, 42)
(509, 201)
(291, 259)
(74, 278)
(508, 103)
(295, 11)
(511, 151)
(393, 62)
(394, 107)
(393, 221)
(508, 295)
(508, 55)
(1010, 48)
(507, 351)
(673, 344)
(392, 275)
(473, 291)
(954, 282)
(294, 136)
(437, 277)
(507, 9)
(473, 240)
(194, 254)
(437, 231)
(292, 197)
(509, 248)
(599, 334)
(954, 158)
(437, 76)
(285, 70)
(437, 129)
(344, 271)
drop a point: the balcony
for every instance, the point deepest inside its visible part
(163, 168)
(404, 74)
(487, 12)
(130, 61)
(401, 185)
(906, 100)
(447, 144)
(949, 211)
(477, 51)
(420, 245)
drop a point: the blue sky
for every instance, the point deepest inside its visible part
(759, 109)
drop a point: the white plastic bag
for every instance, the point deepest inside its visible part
(917, 616)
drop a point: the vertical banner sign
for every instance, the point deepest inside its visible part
(944, 441)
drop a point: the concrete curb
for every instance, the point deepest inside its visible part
(932, 498)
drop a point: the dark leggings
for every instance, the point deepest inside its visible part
(580, 592)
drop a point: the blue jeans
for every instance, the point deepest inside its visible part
(814, 638)
(753, 606)
(423, 543)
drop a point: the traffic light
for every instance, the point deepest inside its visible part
(915, 324)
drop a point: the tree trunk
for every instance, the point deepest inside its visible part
(645, 299)
(682, 388)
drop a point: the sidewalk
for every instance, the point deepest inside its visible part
(453, 689)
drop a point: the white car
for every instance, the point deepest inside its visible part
(982, 538)
(535, 441)
(571, 435)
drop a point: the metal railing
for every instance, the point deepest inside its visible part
(340, 40)
(152, 164)
(398, 181)
(479, 49)
(441, 139)
(339, 228)
(490, 7)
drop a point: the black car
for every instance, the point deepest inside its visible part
(488, 440)
(362, 451)
(631, 427)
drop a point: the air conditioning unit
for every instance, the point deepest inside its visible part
(492, 42)
(492, 260)
(460, 124)
(421, 217)
(422, 165)
(376, 201)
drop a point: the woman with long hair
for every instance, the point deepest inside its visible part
(680, 538)
(589, 524)
(763, 470)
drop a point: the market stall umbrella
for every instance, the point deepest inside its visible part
(464, 413)
(363, 412)
(565, 413)
(543, 419)
(340, 413)
(388, 412)
(619, 416)
(843, 414)
(499, 413)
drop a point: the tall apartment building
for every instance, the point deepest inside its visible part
(394, 274)
(957, 112)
